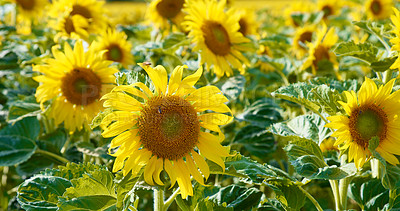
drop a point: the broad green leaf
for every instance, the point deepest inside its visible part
(363, 51)
(261, 113)
(206, 205)
(53, 141)
(41, 192)
(35, 164)
(327, 98)
(297, 93)
(258, 141)
(72, 170)
(89, 149)
(306, 165)
(383, 65)
(15, 149)
(92, 202)
(237, 197)
(123, 186)
(20, 109)
(233, 87)
(340, 86)
(287, 193)
(175, 40)
(335, 173)
(28, 127)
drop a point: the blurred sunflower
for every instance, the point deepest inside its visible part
(247, 22)
(216, 36)
(329, 7)
(75, 81)
(70, 27)
(373, 112)
(296, 9)
(164, 131)
(396, 40)
(379, 9)
(30, 9)
(164, 12)
(302, 36)
(264, 51)
(118, 49)
(91, 10)
(321, 49)
(328, 145)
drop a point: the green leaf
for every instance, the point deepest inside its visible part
(287, 193)
(41, 192)
(72, 170)
(383, 65)
(53, 141)
(93, 202)
(175, 40)
(261, 113)
(233, 87)
(297, 93)
(15, 149)
(363, 51)
(28, 127)
(327, 98)
(237, 197)
(20, 109)
(206, 205)
(35, 164)
(335, 173)
(258, 141)
(123, 187)
(340, 86)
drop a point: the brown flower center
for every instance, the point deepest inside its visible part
(81, 10)
(26, 4)
(376, 7)
(216, 38)
(169, 8)
(327, 10)
(69, 25)
(305, 37)
(321, 53)
(168, 127)
(114, 53)
(243, 26)
(81, 86)
(367, 122)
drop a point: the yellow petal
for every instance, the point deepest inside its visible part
(149, 170)
(193, 170)
(201, 163)
(158, 75)
(175, 79)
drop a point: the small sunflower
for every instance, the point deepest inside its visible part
(396, 40)
(247, 22)
(328, 7)
(296, 8)
(328, 145)
(30, 9)
(118, 49)
(373, 112)
(70, 27)
(75, 81)
(378, 9)
(302, 36)
(216, 36)
(321, 49)
(166, 129)
(164, 12)
(91, 10)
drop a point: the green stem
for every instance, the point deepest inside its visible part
(86, 138)
(387, 76)
(284, 78)
(171, 199)
(379, 75)
(158, 199)
(392, 198)
(312, 199)
(376, 168)
(344, 184)
(48, 124)
(50, 154)
(336, 195)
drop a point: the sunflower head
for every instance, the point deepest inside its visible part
(216, 36)
(163, 13)
(247, 23)
(117, 48)
(74, 81)
(302, 36)
(370, 113)
(30, 9)
(295, 9)
(328, 7)
(166, 129)
(378, 9)
(70, 27)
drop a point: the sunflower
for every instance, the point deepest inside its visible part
(396, 40)
(328, 7)
(321, 49)
(70, 27)
(373, 112)
(30, 9)
(91, 10)
(166, 129)
(75, 81)
(117, 47)
(378, 9)
(302, 36)
(265, 51)
(296, 9)
(216, 36)
(328, 145)
(164, 12)
(248, 24)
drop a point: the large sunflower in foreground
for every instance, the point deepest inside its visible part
(91, 10)
(166, 129)
(163, 13)
(75, 81)
(378, 9)
(118, 49)
(321, 50)
(373, 112)
(216, 35)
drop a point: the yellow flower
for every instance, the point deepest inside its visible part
(70, 27)
(296, 8)
(216, 35)
(378, 9)
(91, 11)
(329, 7)
(166, 129)
(321, 49)
(248, 24)
(264, 50)
(373, 112)
(30, 9)
(302, 36)
(75, 81)
(328, 145)
(118, 49)
(164, 12)
(396, 40)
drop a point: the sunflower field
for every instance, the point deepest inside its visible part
(199, 105)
